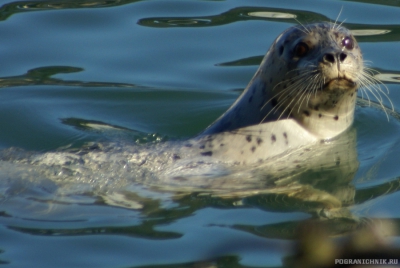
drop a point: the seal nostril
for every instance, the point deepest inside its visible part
(329, 58)
(342, 56)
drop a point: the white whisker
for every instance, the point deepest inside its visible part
(337, 18)
(306, 31)
(370, 84)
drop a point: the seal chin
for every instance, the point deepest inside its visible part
(340, 83)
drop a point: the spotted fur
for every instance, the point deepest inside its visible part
(255, 143)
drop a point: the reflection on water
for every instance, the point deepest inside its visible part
(234, 15)
(315, 180)
(366, 32)
(320, 185)
(43, 76)
(137, 190)
(12, 8)
(256, 60)
(276, 15)
(389, 77)
(316, 183)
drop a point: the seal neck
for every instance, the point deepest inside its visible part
(327, 113)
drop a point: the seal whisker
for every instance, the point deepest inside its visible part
(274, 96)
(369, 83)
(379, 99)
(337, 19)
(281, 102)
(306, 31)
(286, 90)
(299, 91)
(301, 99)
(304, 95)
(369, 80)
(316, 87)
(309, 89)
(340, 25)
(289, 90)
(289, 105)
(371, 73)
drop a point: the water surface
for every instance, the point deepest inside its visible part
(160, 71)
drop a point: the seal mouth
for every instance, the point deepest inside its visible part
(340, 83)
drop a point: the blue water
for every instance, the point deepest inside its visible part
(164, 70)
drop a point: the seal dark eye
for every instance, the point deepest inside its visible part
(300, 49)
(348, 43)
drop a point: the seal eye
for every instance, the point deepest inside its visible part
(300, 49)
(348, 43)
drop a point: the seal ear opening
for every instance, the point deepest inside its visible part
(281, 50)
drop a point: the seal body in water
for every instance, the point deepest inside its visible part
(304, 91)
(303, 94)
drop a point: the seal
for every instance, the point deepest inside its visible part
(281, 137)
(302, 95)
(304, 91)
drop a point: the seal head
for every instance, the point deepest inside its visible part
(310, 74)
(319, 89)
